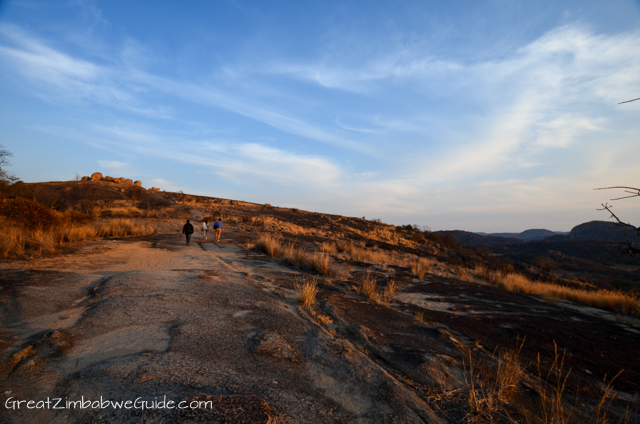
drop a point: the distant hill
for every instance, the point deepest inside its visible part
(600, 230)
(474, 239)
(527, 235)
(589, 251)
(594, 230)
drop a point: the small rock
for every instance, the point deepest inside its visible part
(110, 179)
(85, 178)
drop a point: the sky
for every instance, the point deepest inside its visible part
(494, 116)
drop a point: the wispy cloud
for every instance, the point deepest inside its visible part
(125, 87)
(112, 165)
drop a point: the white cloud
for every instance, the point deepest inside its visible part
(562, 132)
(125, 87)
(112, 165)
(160, 182)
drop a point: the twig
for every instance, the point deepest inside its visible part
(629, 101)
(628, 246)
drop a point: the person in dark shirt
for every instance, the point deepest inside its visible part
(187, 230)
(218, 227)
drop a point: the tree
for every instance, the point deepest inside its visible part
(628, 246)
(5, 176)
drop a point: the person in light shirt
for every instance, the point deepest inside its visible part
(205, 228)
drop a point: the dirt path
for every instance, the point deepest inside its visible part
(160, 320)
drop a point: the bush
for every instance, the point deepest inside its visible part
(154, 202)
(30, 213)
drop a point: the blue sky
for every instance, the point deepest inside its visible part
(477, 115)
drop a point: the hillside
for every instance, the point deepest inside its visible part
(527, 235)
(590, 252)
(293, 317)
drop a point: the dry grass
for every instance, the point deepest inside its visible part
(306, 292)
(463, 274)
(329, 248)
(552, 387)
(318, 262)
(368, 255)
(612, 300)
(122, 227)
(298, 257)
(19, 241)
(391, 289)
(270, 245)
(384, 233)
(421, 266)
(368, 287)
(270, 223)
(324, 319)
(490, 389)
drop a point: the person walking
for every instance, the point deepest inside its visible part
(205, 228)
(187, 230)
(218, 227)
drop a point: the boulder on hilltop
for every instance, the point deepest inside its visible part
(110, 179)
(96, 176)
(138, 183)
(85, 179)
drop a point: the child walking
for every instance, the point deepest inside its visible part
(205, 228)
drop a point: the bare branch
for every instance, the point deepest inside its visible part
(608, 188)
(635, 192)
(628, 246)
(629, 101)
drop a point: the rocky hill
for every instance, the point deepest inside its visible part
(294, 317)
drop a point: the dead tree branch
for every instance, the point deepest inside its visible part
(629, 101)
(627, 246)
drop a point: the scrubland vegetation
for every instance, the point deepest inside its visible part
(612, 300)
(373, 262)
(46, 222)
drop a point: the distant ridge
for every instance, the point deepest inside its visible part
(528, 235)
(593, 230)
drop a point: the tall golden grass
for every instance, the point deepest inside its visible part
(307, 291)
(611, 300)
(270, 223)
(20, 241)
(368, 255)
(368, 287)
(318, 262)
(421, 266)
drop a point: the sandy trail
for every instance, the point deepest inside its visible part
(149, 319)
